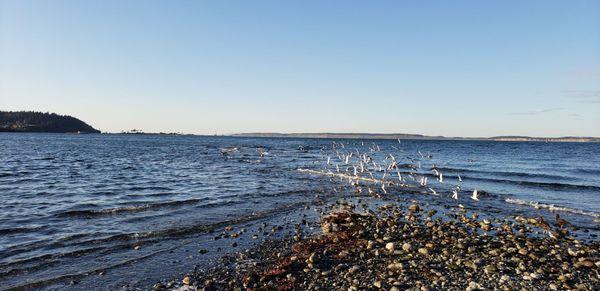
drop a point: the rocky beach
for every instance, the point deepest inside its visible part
(390, 243)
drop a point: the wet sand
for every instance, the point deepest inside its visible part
(372, 243)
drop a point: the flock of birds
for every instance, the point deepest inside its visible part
(356, 167)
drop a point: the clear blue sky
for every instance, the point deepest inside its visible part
(455, 68)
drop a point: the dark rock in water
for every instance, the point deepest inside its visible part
(159, 286)
(414, 208)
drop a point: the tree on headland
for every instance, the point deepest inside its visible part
(31, 121)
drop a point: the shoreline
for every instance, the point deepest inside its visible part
(394, 136)
(396, 245)
(326, 136)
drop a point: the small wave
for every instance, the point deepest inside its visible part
(588, 171)
(505, 173)
(142, 188)
(45, 159)
(118, 210)
(551, 207)
(11, 230)
(547, 185)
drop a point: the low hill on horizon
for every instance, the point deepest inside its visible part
(31, 121)
(418, 136)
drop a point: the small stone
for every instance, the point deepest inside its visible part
(585, 264)
(523, 251)
(186, 280)
(490, 269)
(423, 251)
(390, 247)
(377, 284)
(414, 208)
(313, 258)
(406, 247)
(370, 245)
(395, 266)
(474, 286)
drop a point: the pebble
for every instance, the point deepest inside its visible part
(395, 266)
(377, 284)
(474, 286)
(414, 208)
(313, 258)
(490, 269)
(390, 247)
(158, 286)
(584, 264)
(370, 245)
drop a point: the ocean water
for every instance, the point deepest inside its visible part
(74, 204)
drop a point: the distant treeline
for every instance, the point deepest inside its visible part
(394, 136)
(30, 121)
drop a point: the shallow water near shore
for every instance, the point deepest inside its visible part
(75, 205)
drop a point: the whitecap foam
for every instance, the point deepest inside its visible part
(551, 207)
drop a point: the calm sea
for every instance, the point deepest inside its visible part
(75, 204)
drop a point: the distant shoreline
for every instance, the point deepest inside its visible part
(366, 136)
(394, 136)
